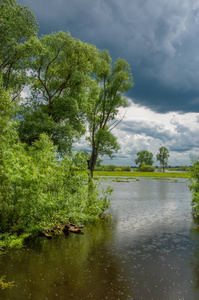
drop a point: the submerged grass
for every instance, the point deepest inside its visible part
(143, 174)
(4, 284)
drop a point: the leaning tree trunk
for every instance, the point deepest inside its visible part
(92, 161)
(94, 153)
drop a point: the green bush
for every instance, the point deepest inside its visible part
(38, 191)
(146, 168)
(128, 169)
(194, 187)
(112, 168)
(117, 169)
(99, 168)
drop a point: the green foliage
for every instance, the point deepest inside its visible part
(144, 156)
(4, 284)
(163, 156)
(105, 98)
(142, 174)
(126, 168)
(7, 111)
(71, 82)
(117, 169)
(17, 26)
(112, 167)
(180, 168)
(146, 168)
(107, 142)
(39, 191)
(36, 189)
(194, 187)
(60, 69)
(12, 241)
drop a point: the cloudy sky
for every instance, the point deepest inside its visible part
(160, 41)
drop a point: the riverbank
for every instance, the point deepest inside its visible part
(144, 174)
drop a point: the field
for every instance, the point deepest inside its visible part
(143, 174)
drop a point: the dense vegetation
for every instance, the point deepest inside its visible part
(42, 181)
(37, 189)
(145, 160)
(145, 157)
(112, 167)
(194, 187)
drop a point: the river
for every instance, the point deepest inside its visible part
(149, 250)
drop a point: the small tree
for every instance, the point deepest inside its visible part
(105, 99)
(144, 156)
(163, 156)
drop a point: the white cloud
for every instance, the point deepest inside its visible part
(143, 129)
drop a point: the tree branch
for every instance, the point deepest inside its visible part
(116, 122)
(41, 81)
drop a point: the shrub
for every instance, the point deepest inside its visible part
(194, 187)
(39, 191)
(128, 169)
(117, 169)
(146, 168)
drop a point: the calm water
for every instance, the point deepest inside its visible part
(150, 250)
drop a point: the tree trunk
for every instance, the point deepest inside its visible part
(92, 161)
(94, 154)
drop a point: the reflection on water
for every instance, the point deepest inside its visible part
(148, 251)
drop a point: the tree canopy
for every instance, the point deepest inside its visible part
(17, 25)
(72, 84)
(163, 156)
(144, 156)
(61, 69)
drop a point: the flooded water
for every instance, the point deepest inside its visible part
(150, 250)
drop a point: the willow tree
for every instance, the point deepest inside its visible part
(60, 75)
(105, 99)
(17, 26)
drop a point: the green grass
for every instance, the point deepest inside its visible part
(143, 174)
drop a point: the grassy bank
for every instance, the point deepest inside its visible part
(143, 174)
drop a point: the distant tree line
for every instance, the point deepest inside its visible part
(145, 160)
(112, 167)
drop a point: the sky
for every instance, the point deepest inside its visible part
(159, 39)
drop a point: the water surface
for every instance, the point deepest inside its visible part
(150, 250)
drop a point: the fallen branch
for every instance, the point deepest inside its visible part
(69, 227)
(72, 228)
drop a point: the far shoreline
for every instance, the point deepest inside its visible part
(144, 174)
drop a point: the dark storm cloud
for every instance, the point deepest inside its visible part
(157, 38)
